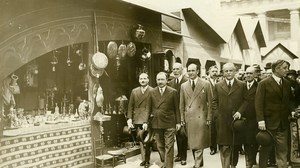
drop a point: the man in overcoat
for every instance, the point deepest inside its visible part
(181, 139)
(196, 114)
(273, 106)
(251, 146)
(163, 106)
(213, 79)
(229, 104)
(137, 114)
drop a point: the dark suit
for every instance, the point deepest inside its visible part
(137, 112)
(272, 104)
(213, 129)
(180, 139)
(251, 147)
(165, 112)
(226, 102)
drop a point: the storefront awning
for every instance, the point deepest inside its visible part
(147, 5)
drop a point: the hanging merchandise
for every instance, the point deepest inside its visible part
(54, 61)
(112, 50)
(98, 95)
(69, 59)
(166, 65)
(99, 62)
(131, 49)
(81, 65)
(146, 55)
(122, 50)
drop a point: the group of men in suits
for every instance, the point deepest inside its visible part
(198, 105)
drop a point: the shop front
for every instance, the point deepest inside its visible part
(61, 64)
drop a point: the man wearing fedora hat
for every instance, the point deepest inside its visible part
(272, 105)
(137, 115)
(229, 104)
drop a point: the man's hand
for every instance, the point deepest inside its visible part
(261, 125)
(129, 123)
(178, 126)
(208, 122)
(145, 126)
(237, 115)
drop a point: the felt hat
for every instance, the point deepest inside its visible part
(238, 125)
(264, 138)
(145, 136)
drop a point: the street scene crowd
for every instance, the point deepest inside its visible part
(230, 111)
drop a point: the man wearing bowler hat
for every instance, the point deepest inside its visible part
(137, 115)
(181, 139)
(272, 105)
(229, 104)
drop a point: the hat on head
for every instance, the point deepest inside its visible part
(264, 138)
(268, 65)
(292, 72)
(256, 67)
(238, 125)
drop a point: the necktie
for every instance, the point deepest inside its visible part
(280, 82)
(161, 91)
(229, 84)
(193, 85)
(177, 81)
(249, 86)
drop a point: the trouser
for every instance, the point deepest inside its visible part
(182, 142)
(281, 149)
(198, 157)
(213, 136)
(165, 139)
(145, 148)
(250, 154)
(229, 155)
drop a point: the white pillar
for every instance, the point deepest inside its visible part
(295, 24)
(264, 25)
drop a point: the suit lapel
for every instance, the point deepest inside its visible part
(234, 87)
(224, 86)
(252, 89)
(275, 86)
(198, 88)
(163, 97)
(141, 96)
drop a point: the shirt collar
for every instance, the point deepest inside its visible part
(179, 78)
(143, 89)
(251, 83)
(195, 80)
(163, 88)
(231, 81)
(277, 79)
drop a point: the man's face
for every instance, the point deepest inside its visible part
(249, 75)
(192, 71)
(282, 70)
(143, 79)
(229, 72)
(161, 80)
(213, 73)
(257, 73)
(177, 70)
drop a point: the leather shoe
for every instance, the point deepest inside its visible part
(147, 165)
(177, 159)
(213, 152)
(143, 163)
(183, 162)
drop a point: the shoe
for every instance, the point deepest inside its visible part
(183, 162)
(177, 159)
(143, 163)
(147, 165)
(213, 152)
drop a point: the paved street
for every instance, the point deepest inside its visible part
(210, 161)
